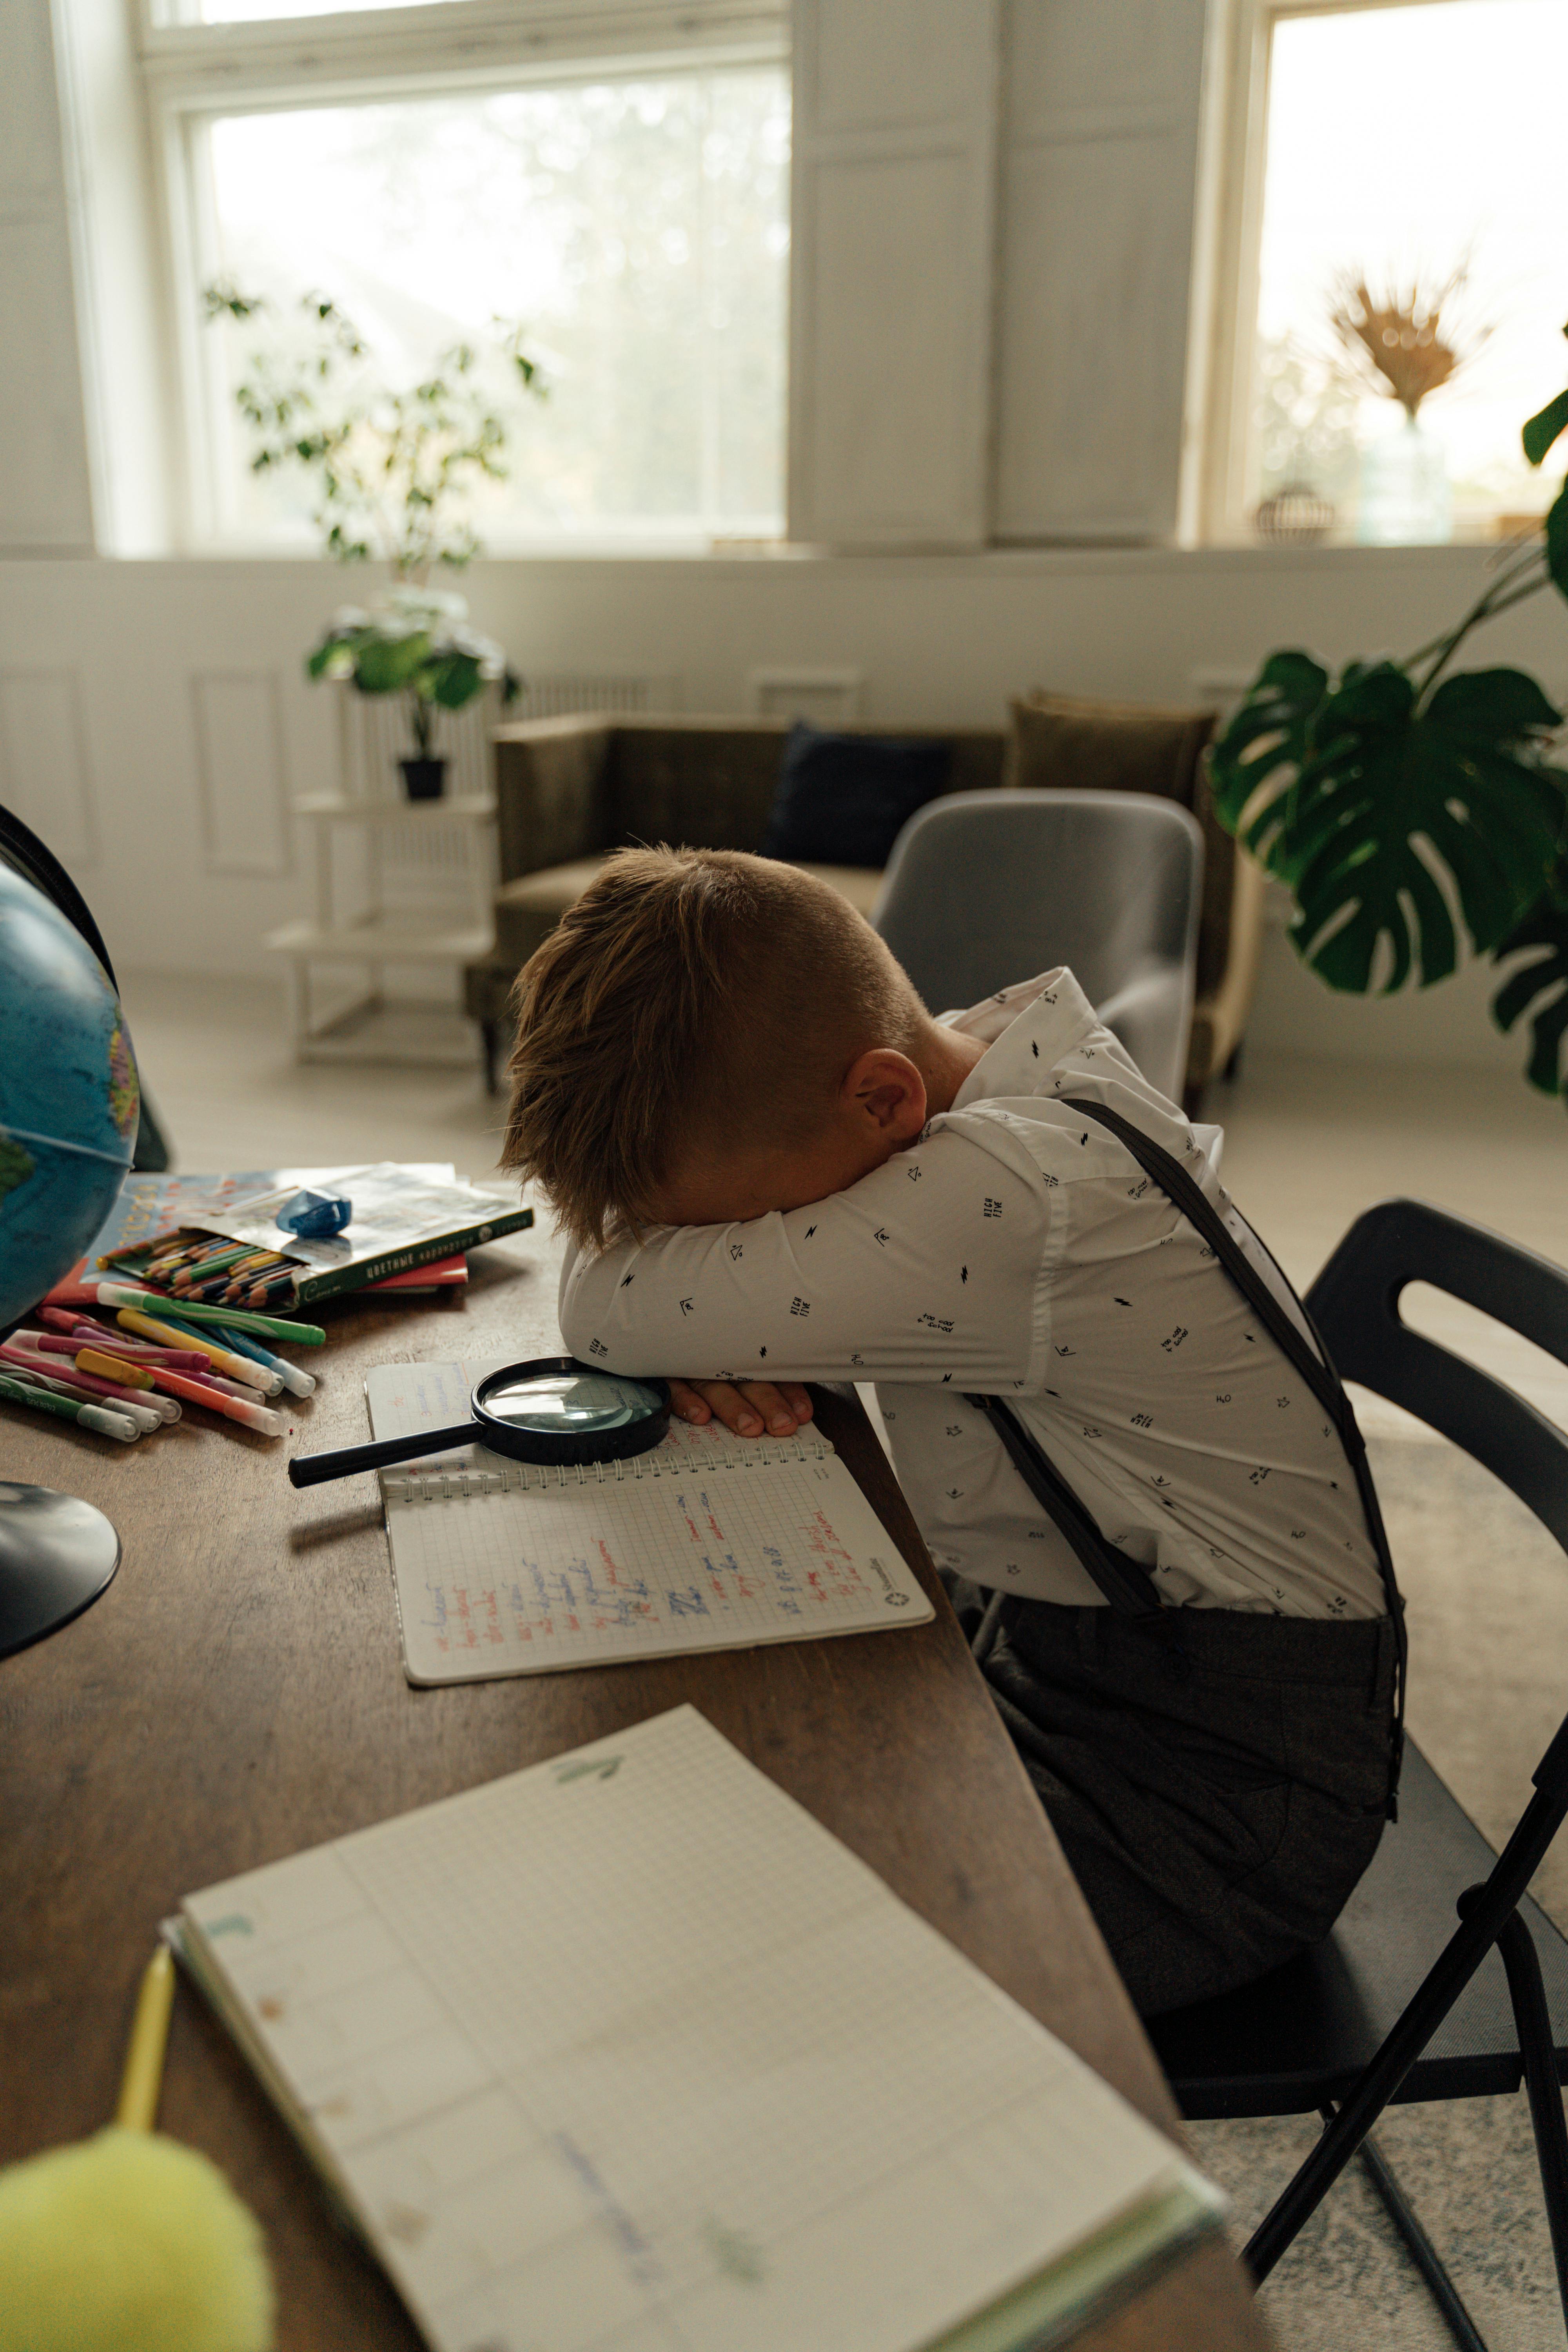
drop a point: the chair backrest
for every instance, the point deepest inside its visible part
(1355, 1304)
(984, 888)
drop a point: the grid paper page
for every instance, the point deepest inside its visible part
(626, 2053)
(706, 1543)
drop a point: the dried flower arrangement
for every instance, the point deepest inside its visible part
(1396, 344)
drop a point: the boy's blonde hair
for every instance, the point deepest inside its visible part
(691, 999)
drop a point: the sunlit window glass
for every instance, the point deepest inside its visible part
(637, 230)
(250, 12)
(1413, 165)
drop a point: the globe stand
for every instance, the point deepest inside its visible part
(57, 1555)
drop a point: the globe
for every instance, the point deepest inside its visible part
(69, 1096)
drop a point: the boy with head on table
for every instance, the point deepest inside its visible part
(775, 1166)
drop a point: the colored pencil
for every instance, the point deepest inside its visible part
(144, 2075)
(269, 1293)
(222, 1253)
(268, 1326)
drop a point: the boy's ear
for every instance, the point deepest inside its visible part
(885, 1090)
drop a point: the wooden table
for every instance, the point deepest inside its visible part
(238, 1694)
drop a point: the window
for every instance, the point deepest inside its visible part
(632, 222)
(1405, 150)
(253, 12)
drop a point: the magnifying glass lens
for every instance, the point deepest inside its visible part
(581, 1403)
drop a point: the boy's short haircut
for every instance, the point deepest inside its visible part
(691, 998)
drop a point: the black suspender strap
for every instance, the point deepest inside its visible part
(1125, 1585)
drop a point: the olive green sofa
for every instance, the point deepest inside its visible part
(570, 789)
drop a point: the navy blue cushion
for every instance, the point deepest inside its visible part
(843, 800)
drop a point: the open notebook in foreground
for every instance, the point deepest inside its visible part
(627, 2053)
(707, 1542)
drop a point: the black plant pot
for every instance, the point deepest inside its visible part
(424, 779)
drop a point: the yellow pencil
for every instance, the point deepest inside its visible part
(144, 2075)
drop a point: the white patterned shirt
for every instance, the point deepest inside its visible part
(1016, 1248)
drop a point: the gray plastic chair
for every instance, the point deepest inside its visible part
(984, 888)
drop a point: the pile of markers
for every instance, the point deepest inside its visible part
(209, 1269)
(126, 1379)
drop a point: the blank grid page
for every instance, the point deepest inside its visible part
(626, 2053)
(705, 1543)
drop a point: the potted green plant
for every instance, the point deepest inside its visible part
(414, 641)
(393, 469)
(1405, 804)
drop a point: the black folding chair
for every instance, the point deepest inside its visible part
(1397, 2005)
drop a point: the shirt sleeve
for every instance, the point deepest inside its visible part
(928, 1269)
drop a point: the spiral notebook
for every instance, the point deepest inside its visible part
(626, 2053)
(707, 1542)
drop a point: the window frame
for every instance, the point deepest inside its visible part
(193, 73)
(1235, 168)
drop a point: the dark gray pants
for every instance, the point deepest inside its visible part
(1217, 1804)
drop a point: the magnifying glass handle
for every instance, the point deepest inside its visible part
(315, 1469)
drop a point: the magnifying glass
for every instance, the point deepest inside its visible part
(553, 1410)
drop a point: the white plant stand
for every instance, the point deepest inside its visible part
(397, 883)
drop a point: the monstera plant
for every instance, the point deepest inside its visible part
(1405, 802)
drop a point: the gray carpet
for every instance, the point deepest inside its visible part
(1486, 1590)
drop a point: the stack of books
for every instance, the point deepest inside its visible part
(216, 1240)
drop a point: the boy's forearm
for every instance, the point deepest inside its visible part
(672, 1307)
(846, 1291)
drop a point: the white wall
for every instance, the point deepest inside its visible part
(45, 495)
(103, 663)
(154, 723)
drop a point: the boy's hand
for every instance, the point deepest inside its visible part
(744, 1408)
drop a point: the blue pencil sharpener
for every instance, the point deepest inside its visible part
(315, 1216)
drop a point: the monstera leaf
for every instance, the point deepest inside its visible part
(1542, 982)
(1557, 540)
(1539, 437)
(1377, 807)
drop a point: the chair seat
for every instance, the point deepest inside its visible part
(1297, 2038)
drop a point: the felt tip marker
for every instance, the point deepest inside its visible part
(130, 1351)
(67, 1318)
(298, 1383)
(254, 1416)
(269, 1326)
(193, 1368)
(91, 1417)
(238, 1368)
(128, 1380)
(87, 1388)
(232, 1365)
(114, 1368)
(67, 1328)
